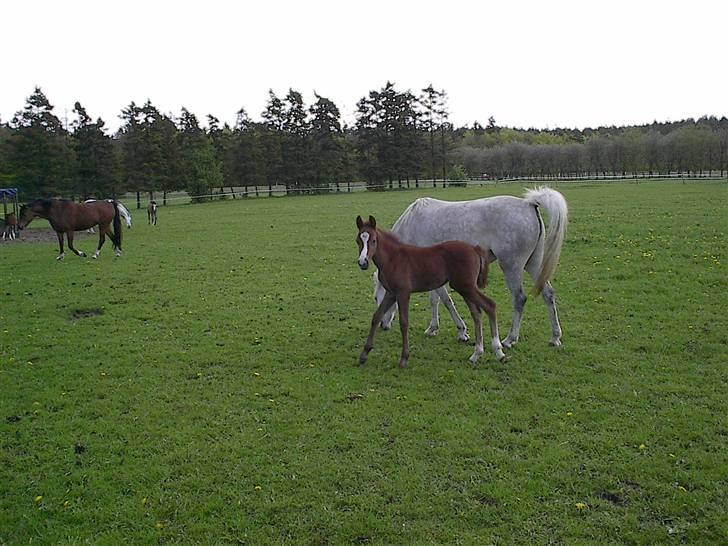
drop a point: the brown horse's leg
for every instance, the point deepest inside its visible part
(61, 254)
(489, 306)
(475, 312)
(102, 237)
(69, 234)
(387, 302)
(403, 304)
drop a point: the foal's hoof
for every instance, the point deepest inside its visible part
(463, 336)
(431, 331)
(508, 343)
(81, 254)
(555, 342)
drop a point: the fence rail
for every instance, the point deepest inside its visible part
(282, 191)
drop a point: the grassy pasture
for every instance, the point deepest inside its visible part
(203, 388)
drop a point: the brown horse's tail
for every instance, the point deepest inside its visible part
(117, 226)
(483, 271)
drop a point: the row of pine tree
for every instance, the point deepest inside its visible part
(398, 139)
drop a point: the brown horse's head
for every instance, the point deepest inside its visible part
(367, 240)
(34, 209)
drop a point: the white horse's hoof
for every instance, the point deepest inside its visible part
(463, 336)
(431, 332)
(508, 342)
(555, 342)
(60, 256)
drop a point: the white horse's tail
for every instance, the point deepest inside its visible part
(125, 214)
(555, 205)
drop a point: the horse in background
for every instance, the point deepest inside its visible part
(66, 217)
(10, 226)
(125, 214)
(152, 213)
(512, 228)
(404, 269)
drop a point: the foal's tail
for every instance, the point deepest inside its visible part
(483, 271)
(117, 226)
(555, 205)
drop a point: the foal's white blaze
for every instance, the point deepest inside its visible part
(363, 256)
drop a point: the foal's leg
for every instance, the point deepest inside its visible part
(403, 304)
(387, 302)
(489, 306)
(478, 326)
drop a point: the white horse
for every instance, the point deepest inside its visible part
(511, 227)
(123, 212)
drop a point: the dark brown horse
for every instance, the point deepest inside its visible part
(404, 269)
(66, 216)
(10, 227)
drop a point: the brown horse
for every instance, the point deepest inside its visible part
(66, 216)
(152, 213)
(10, 229)
(404, 269)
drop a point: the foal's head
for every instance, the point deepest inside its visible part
(367, 240)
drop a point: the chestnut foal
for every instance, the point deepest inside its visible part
(404, 269)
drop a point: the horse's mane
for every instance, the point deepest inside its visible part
(390, 235)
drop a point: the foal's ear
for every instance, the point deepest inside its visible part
(359, 222)
(372, 221)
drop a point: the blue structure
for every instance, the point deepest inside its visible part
(9, 195)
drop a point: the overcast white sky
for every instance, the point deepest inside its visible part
(528, 63)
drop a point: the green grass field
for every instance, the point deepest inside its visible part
(204, 388)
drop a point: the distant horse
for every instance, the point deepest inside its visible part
(10, 227)
(152, 213)
(511, 227)
(404, 269)
(66, 216)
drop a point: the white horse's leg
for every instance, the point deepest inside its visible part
(435, 310)
(514, 282)
(436, 296)
(549, 298)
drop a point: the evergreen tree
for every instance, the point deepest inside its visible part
(96, 165)
(40, 153)
(327, 149)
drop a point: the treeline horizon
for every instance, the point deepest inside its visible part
(398, 139)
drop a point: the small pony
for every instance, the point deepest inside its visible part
(404, 269)
(152, 213)
(10, 227)
(66, 216)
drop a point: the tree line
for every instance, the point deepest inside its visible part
(399, 139)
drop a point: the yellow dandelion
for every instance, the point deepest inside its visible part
(39, 498)
(581, 506)
(681, 488)
(643, 447)
(256, 374)
(258, 488)
(569, 413)
(159, 525)
(144, 500)
(66, 504)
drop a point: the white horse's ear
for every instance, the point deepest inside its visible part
(372, 221)
(359, 222)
